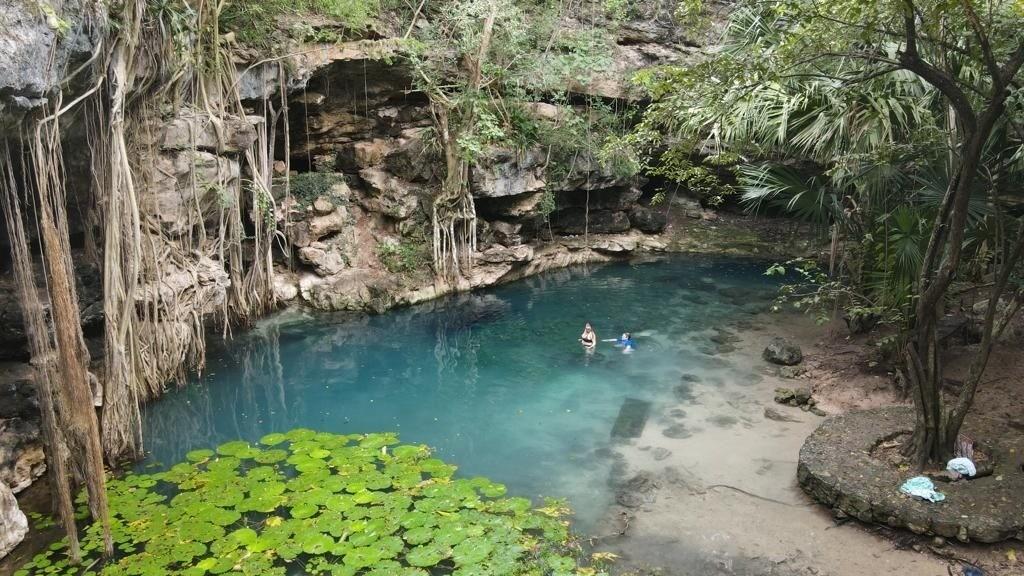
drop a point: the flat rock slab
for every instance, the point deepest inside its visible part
(836, 468)
(632, 419)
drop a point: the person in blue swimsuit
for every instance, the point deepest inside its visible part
(625, 342)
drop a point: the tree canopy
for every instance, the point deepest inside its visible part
(897, 124)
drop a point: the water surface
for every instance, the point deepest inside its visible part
(495, 381)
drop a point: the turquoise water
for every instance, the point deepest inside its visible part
(495, 381)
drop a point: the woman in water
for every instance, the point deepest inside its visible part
(589, 337)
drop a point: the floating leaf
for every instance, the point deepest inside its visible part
(333, 504)
(273, 439)
(425, 556)
(199, 455)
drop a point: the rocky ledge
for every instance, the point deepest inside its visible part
(837, 469)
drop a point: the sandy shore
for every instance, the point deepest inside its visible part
(724, 500)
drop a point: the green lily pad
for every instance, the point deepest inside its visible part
(472, 551)
(420, 535)
(234, 448)
(315, 543)
(304, 511)
(362, 557)
(341, 505)
(426, 556)
(273, 439)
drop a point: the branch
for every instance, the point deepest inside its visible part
(911, 60)
(979, 32)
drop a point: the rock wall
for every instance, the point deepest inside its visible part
(361, 151)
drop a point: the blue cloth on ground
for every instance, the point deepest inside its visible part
(922, 487)
(962, 466)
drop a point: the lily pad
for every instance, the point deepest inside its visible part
(426, 556)
(359, 505)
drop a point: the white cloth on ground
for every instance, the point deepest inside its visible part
(962, 466)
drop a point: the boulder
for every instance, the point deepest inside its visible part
(13, 523)
(323, 258)
(803, 396)
(505, 233)
(783, 352)
(323, 206)
(783, 395)
(285, 287)
(21, 453)
(648, 220)
(389, 196)
(334, 221)
(506, 172)
(792, 372)
(498, 254)
(369, 153)
(412, 160)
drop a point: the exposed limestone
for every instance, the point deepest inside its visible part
(196, 130)
(508, 173)
(34, 54)
(13, 523)
(21, 447)
(579, 221)
(176, 200)
(389, 195)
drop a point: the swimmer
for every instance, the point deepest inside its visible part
(625, 341)
(589, 337)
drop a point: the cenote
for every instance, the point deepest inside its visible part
(495, 380)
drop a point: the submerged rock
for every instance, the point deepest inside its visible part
(13, 524)
(637, 491)
(792, 372)
(783, 352)
(677, 431)
(773, 414)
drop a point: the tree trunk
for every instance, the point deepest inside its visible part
(938, 426)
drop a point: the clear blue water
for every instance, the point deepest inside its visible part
(495, 381)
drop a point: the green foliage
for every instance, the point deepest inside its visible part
(319, 503)
(586, 138)
(548, 203)
(257, 22)
(407, 256)
(307, 186)
(54, 20)
(844, 134)
(813, 291)
(678, 165)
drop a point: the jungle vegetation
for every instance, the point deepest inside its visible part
(895, 125)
